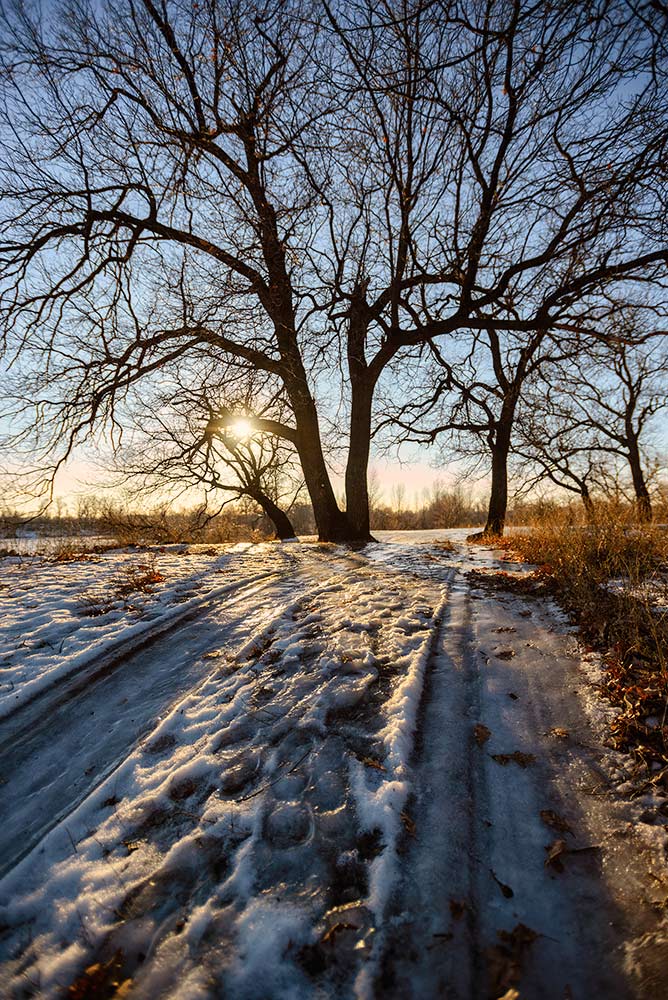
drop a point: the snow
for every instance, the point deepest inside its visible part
(46, 629)
(275, 763)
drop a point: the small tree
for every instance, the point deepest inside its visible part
(208, 438)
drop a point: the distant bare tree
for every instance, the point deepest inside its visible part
(602, 404)
(549, 445)
(472, 402)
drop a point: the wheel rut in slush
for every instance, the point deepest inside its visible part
(52, 768)
(477, 911)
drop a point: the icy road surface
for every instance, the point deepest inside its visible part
(303, 771)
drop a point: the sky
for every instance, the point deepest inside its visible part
(414, 471)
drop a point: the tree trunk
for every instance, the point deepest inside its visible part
(280, 520)
(332, 523)
(643, 502)
(357, 489)
(498, 499)
(587, 503)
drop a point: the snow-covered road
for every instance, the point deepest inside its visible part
(304, 771)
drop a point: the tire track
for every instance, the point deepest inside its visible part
(81, 725)
(478, 912)
(91, 665)
(89, 732)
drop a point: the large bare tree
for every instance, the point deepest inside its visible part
(315, 189)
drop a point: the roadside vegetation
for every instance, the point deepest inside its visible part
(611, 576)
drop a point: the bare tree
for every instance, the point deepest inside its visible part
(602, 406)
(550, 446)
(470, 404)
(313, 188)
(207, 437)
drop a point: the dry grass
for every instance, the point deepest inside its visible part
(444, 544)
(135, 578)
(611, 575)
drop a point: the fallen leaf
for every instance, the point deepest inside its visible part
(522, 759)
(559, 733)
(505, 960)
(505, 654)
(100, 979)
(505, 628)
(409, 825)
(375, 764)
(505, 889)
(131, 845)
(554, 820)
(481, 734)
(520, 937)
(555, 852)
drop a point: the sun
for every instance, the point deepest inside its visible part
(241, 429)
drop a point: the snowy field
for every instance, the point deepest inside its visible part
(297, 771)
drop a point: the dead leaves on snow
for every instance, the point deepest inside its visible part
(481, 734)
(103, 979)
(555, 821)
(506, 891)
(518, 757)
(559, 849)
(505, 960)
(409, 824)
(371, 762)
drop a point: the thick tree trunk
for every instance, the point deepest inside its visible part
(587, 502)
(357, 489)
(643, 502)
(280, 520)
(332, 523)
(498, 498)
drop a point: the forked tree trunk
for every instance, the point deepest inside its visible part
(332, 523)
(357, 489)
(643, 502)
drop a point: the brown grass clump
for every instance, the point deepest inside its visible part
(136, 578)
(140, 577)
(611, 575)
